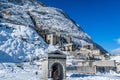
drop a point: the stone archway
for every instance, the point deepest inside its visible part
(57, 71)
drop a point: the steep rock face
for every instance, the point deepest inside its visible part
(20, 18)
(18, 41)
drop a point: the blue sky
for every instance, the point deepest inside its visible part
(99, 18)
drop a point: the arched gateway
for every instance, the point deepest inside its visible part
(57, 71)
(54, 66)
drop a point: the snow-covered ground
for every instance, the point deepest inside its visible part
(27, 71)
(19, 76)
(99, 76)
(11, 71)
(95, 78)
(33, 76)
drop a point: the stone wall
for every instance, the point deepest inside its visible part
(118, 67)
(82, 69)
(45, 70)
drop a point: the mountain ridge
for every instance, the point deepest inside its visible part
(18, 19)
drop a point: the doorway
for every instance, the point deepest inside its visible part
(57, 71)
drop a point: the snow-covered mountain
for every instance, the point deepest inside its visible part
(19, 20)
(20, 41)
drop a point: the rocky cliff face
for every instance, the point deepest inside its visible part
(19, 20)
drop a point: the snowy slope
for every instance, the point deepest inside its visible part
(19, 20)
(18, 42)
(37, 15)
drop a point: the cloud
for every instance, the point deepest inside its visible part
(118, 40)
(116, 51)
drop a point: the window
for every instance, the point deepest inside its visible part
(48, 41)
(49, 36)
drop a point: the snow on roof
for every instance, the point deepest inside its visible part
(116, 58)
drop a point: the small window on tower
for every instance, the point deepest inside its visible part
(48, 41)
